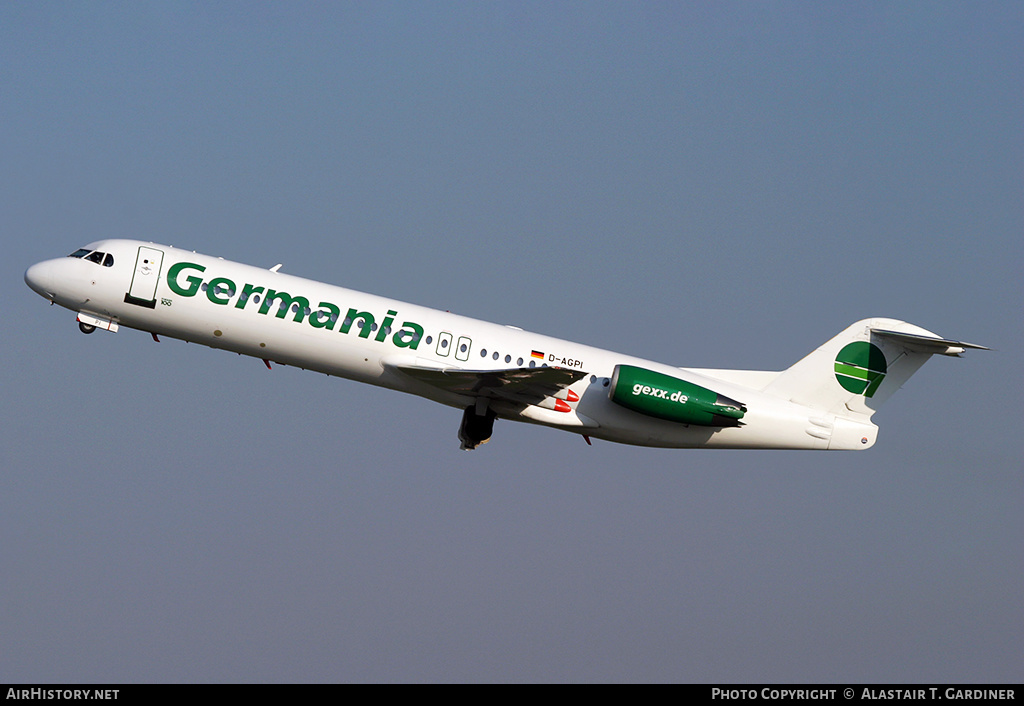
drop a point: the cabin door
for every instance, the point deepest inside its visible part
(145, 278)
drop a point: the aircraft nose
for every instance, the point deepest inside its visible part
(40, 278)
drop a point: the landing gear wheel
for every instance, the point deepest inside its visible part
(86, 328)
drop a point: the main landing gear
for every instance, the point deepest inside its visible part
(86, 328)
(476, 428)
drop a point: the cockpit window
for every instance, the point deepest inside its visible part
(100, 258)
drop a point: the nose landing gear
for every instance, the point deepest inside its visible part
(87, 323)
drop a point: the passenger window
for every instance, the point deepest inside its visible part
(444, 340)
(463, 350)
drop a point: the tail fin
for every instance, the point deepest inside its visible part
(854, 373)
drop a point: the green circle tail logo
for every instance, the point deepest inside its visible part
(860, 368)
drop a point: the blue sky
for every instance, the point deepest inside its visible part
(704, 184)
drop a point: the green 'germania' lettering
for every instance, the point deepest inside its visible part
(385, 326)
(287, 300)
(409, 336)
(193, 282)
(365, 325)
(183, 278)
(218, 287)
(247, 291)
(325, 316)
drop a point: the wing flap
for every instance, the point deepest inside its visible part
(523, 386)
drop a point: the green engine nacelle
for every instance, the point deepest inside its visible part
(666, 397)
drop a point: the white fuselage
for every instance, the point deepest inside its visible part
(345, 333)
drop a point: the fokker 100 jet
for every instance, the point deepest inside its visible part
(490, 371)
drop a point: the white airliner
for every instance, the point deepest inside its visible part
(824, 401)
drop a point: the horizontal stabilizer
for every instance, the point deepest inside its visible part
(927, 344)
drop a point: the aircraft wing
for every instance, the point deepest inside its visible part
(523, 386)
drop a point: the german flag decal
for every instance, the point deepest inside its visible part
(537, 354)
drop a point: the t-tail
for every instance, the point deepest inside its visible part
(852, 374)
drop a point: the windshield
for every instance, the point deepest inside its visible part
(100, 258)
